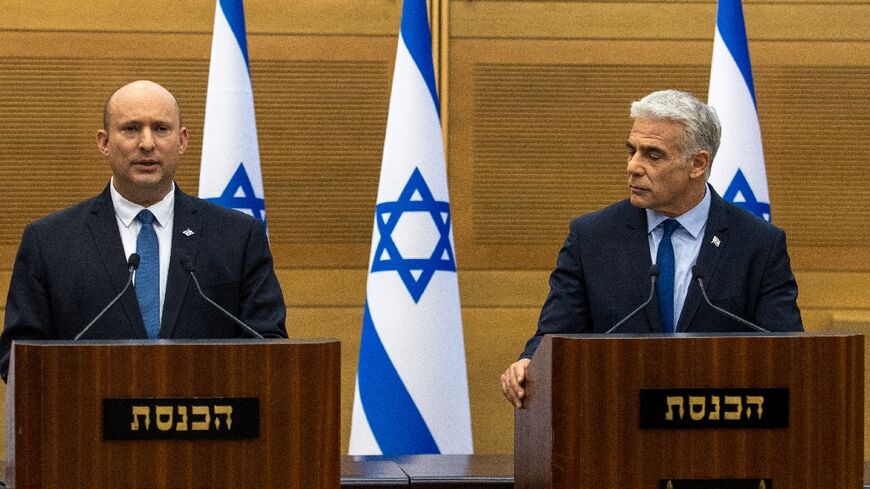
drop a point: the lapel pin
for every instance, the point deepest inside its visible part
(716, 242)
(187, 232)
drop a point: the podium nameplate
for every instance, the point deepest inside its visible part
(213, 418)
(714, 408)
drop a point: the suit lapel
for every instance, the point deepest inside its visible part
(639, 262)
(103, 227)
(708, 257)
(186, 231)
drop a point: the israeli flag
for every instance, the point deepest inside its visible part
(229, 174)
(738, 171)
(412, 388)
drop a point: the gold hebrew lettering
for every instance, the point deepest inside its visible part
(674, 401)
(226, 411)
(163, 416)
(145, 413)
(697, 407)
(206, 418)
(714, 413)
(758, 401)
(182, 421)
(736, 401)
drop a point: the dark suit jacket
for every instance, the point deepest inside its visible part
(602, 274)
(70, 264)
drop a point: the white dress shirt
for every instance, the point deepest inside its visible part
(129, 226)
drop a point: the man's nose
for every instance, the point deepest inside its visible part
(634, 166)
(146, 142)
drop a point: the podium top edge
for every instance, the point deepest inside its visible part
(683, 336)
(185, 342)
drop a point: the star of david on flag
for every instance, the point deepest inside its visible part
(738, 172)
(230, 173)
(411, 393)
(740, 193)
(415, 272)
(239, 194)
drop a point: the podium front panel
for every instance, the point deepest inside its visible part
(582, 426)
(189, 397)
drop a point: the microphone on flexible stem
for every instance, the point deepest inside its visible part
(653, 276)
(132, 265)
(699, 276)
(188, 267)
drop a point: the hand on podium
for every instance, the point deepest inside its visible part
(512, 382)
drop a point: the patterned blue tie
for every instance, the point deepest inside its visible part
(148, 274)
(666, 264)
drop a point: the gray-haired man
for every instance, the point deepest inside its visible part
(673, 219)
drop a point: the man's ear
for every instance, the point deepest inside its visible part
(184, 139)
(700, 164)
(103, 142)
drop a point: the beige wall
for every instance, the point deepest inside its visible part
(534, 96)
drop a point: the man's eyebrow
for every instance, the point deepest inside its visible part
(644, 147)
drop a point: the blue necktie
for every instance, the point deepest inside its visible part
(666, 264)
(148, 274)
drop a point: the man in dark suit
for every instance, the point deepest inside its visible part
(674, 219)
(70, 264)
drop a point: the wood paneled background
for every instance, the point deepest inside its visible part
(535, 98)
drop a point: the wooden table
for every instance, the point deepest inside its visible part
(436, 472)
(372, 474)
(432, 471)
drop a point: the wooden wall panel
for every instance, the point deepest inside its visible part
(812, 117)
(321, 126)
(654, 20)
(317, 17)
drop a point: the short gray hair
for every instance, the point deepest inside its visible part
(700, 122)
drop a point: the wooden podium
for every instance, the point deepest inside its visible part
(780, 411)
(173, 414)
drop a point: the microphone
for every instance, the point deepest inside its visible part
(699, 276)
(132, 265)
(185, 262)
(653, 276)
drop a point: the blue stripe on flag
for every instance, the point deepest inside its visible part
(729, 20)
(418, 40)
(394, 419)
(234, 10)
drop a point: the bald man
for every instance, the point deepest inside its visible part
(71, 263)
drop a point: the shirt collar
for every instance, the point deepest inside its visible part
(692, 221)
(127, 211)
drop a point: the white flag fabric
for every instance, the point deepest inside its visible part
(412, 388)
(738, 172)
(230, 173)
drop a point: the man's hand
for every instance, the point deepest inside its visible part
(512, 382)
